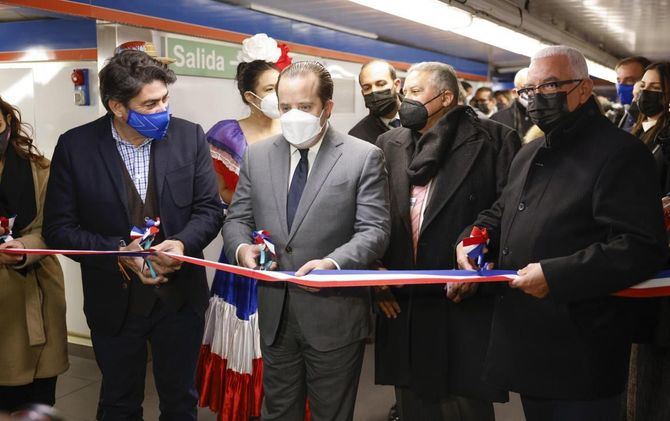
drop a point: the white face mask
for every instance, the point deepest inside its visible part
(300, 128)
(269, 105)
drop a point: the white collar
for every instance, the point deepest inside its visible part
(648, 124)
(386, 121)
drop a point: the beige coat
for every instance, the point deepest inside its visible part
(33, 336)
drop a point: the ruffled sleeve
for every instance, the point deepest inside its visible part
(227, 145)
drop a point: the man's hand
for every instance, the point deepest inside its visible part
(323, 264)
(11, 259)
(247, 255)
(387, 302)
(462, 259)
(137, 265)
(161, 262)
(531, 280)
(457, 291)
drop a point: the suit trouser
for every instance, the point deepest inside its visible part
(293, 370)
(411, 407)
(537, 409)
(175, 342)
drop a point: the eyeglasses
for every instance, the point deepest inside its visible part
(544, 88)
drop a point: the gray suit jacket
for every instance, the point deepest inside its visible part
(343, 214)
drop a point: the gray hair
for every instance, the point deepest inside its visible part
(443, 76)
(520, 78)
(576, 59)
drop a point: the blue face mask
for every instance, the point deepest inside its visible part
(154, 125)
(625, 93)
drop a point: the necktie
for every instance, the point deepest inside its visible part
(297, 186)
(418, 197)
(394, 123)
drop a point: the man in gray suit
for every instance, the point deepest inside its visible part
(324, 198)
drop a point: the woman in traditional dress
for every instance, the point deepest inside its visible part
(230, 367)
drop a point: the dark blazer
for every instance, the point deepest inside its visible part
(508, 144)
(584, 202)
(436, 347)
(343, 215)
(86, 208)
(369, 128)
(657, 145)
(514, 116)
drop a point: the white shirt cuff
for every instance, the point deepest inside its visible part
(237, 253)
(334, 262)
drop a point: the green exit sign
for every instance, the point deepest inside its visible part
(199, 58)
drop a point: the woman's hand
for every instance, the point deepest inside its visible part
(12, 259)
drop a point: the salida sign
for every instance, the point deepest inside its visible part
(198, 58)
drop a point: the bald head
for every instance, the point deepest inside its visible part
(376, 75)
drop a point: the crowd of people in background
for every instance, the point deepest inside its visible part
(572, 189)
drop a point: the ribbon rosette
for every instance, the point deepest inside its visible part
(268, 255)
(475, 245)
(147, 237)
(284, 60)
(6, 225)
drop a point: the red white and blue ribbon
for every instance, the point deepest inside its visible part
(147, 237)
(475, 245)
(658, 286)
(6, 225)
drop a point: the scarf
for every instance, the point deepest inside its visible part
(17, 191)
(431, 148)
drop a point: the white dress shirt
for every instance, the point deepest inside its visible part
(387, 121)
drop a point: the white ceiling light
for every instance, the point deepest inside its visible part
(305, 19)
(491, 33)
(427, 12)
(600, 71)
(440, 15)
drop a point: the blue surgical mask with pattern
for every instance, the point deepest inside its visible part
(154, 126)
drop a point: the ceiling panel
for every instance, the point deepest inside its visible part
(391, 28)
(14, 14)
(622, 27)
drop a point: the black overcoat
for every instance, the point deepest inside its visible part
(437, 348)
(584, 202)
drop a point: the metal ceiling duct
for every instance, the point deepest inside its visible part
(514, 17)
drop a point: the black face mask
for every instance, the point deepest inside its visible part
(413, 114)
(483, 106)
(547, 111)
(381, 103)
(650, 102)
(634, 110)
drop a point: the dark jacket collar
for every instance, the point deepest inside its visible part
(574, 122)
(457, 126)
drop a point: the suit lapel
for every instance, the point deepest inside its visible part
(109, 155)
(161, 155)
(279, 163)
(325, 161)
(448, 179)
(399, 156)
